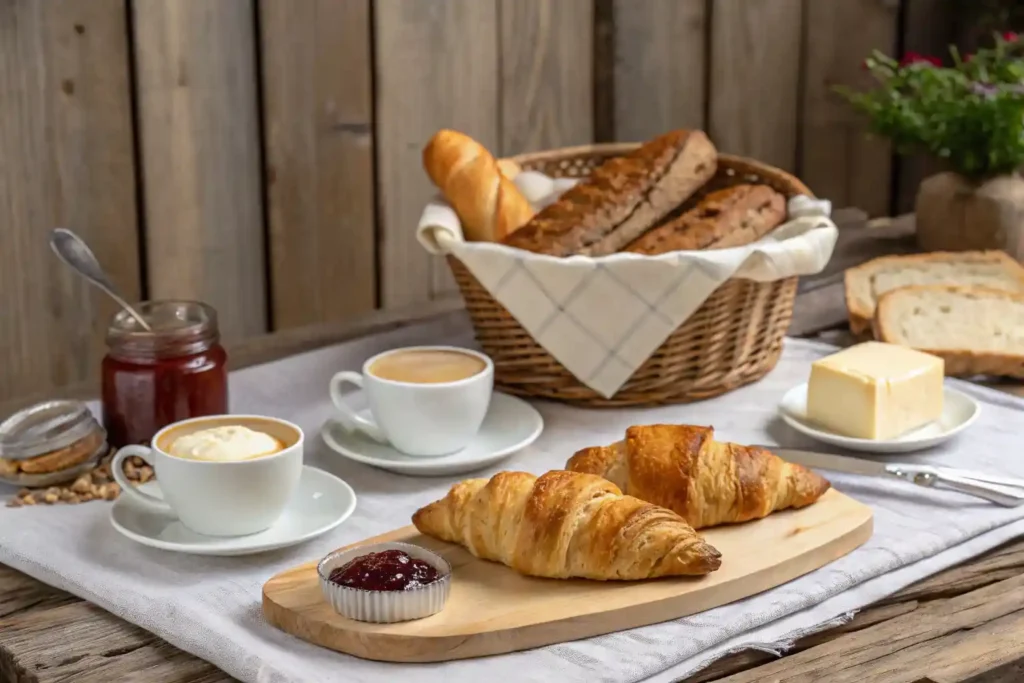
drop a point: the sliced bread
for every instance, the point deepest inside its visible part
(976, 330)
(869, 281)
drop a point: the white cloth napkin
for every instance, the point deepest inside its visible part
(211, 606)
(601, 318)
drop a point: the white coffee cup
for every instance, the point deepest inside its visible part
(229, 498)
(422, 419)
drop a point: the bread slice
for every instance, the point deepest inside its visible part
(976, 330)
(867, 282)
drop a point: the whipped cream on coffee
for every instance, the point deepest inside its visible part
(226, 443)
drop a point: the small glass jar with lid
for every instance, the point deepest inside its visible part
(50, 443)
(152, 378)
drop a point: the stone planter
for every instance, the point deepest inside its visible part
(956, 214)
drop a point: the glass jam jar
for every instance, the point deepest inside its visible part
(154, 378)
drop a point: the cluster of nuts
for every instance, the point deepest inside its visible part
(97, 484)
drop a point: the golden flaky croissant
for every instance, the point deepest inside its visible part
(488, 203)
(707, 482)
(566, 524)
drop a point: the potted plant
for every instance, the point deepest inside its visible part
(970, 116)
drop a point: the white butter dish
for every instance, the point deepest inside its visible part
(958, 412)
(380, 606)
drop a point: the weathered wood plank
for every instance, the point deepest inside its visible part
(929, 28)
(925, 642)
(436, 66)
(547, 77)
(999, 565)
(89, 646)
(748, 659)
(838, 159)
(604, 70)
(22, 593)
(660, 66)
(318, 122)
(196, 85)
(754, 78)
(1012, 672)
(66, 159)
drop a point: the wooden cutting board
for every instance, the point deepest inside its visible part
(492, 609)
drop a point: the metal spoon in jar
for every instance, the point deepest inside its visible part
(70, 248)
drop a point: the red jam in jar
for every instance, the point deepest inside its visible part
(152, 378)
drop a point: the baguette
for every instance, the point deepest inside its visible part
(509, 168)
(488, 203)
(622, 198)
(976, 330)
(727, 218)
(869, 281)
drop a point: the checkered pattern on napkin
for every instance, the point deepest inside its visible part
(601, 318)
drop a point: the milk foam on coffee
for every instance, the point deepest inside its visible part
(227, 443)
(427, 366)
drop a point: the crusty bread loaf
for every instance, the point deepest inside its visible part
(976, 330)
(731, 217)
(488, 203)
(867, 282)
(622, 198)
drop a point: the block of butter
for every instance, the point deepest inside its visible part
(875, 391)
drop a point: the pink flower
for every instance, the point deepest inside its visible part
(1011, 37)
(915, 58)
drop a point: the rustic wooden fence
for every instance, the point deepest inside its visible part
(264, 155)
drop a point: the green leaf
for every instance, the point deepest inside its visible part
(970, 114)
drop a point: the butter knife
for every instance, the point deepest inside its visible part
(1000, 490)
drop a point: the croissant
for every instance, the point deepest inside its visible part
(488, 203)
(707, 482)
(566, 524)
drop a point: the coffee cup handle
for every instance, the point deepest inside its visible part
(349, 419)
(127, 487)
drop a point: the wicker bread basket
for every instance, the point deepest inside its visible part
(733, 339)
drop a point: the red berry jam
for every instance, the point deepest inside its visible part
(388, 570)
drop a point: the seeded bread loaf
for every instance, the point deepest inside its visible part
(727, 218)
(622, 198)
(976, 330)
(869, 281)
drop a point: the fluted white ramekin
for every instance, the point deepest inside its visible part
(385, 607)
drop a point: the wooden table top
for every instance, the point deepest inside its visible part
(964, 625)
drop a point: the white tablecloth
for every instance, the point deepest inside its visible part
(211, 606)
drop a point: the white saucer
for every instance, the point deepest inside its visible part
(320, 503)
(958, 411)
(511, 425)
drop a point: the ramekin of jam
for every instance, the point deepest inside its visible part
(385, 582)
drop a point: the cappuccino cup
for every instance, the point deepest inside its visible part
(228, 475)
(424, 400)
